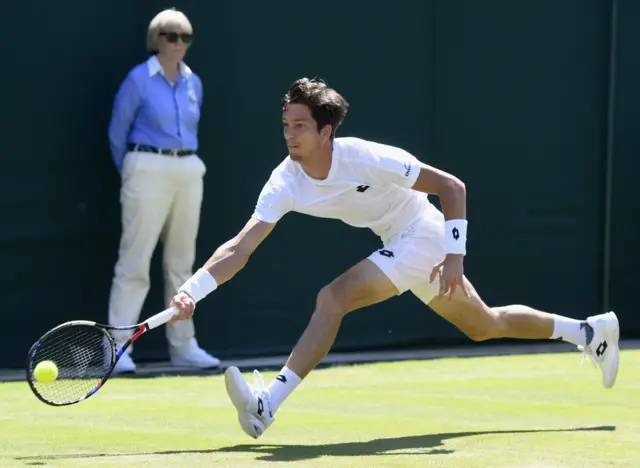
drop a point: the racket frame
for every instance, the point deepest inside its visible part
(140, 329)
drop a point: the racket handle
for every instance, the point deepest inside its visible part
(161, 318)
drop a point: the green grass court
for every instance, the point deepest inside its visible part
(530, 411)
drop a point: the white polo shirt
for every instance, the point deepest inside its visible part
(368, 186)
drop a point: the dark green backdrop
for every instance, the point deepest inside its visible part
(513, 97)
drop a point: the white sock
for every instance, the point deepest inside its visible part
(285, 383)
(573, 331)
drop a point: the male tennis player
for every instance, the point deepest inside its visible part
(383, 188)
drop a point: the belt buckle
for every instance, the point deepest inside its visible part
(174, 152)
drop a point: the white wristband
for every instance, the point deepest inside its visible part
(455, 236)
(199, 285)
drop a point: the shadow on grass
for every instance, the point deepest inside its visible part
(428, 444)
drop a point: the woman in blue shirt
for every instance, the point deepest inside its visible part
(153, 136)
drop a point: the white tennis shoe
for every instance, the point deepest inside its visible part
(602, 346)
(253, 404)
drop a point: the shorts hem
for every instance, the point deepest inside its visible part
(389, 272)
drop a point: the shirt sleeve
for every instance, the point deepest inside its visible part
(125, 106)
(198, 89)
(391, 165)
(273, 202)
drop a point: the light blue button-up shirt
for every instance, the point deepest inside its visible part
(149, 110)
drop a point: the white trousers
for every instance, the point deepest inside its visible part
(161, 198)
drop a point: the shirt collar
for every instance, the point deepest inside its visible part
(154, 67)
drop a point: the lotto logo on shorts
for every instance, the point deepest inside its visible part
(386, 253)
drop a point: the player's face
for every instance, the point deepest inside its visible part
(300, 131)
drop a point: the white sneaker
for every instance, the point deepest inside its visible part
(124, 364)
(603, 348)
(194, 357)
(253, 404)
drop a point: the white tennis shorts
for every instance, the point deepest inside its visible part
(408, 257)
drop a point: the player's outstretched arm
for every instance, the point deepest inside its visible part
(223, 265)
(234, 254)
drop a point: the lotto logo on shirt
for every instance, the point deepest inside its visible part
(407, 166)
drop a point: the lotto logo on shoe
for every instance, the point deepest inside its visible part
(602, 347)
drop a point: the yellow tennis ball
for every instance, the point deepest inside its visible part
(46, 372)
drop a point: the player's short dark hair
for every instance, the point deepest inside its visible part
(327, 106)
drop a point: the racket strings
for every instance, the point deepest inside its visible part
(83, 355)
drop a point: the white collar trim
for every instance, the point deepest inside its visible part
(154, 67)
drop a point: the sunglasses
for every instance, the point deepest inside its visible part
(172, 37)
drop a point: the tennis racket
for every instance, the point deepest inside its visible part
(85, 354)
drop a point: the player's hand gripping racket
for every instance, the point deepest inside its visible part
(85, 354)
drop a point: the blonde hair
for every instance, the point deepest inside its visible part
(165, 18)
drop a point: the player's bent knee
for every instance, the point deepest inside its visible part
(330, 301)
